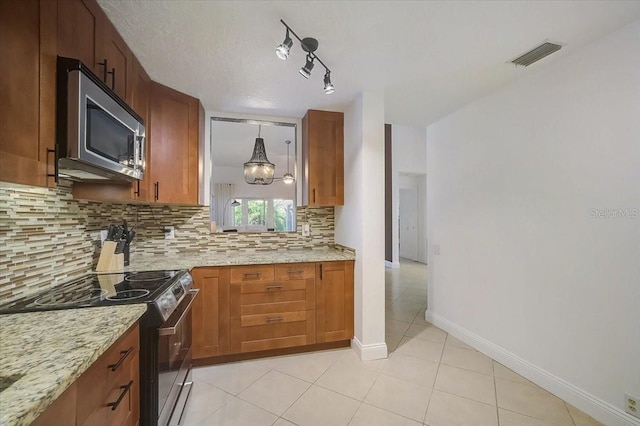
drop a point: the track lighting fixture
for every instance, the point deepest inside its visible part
(328, 86)
(306, 70)
(283, 49)
(309, 45)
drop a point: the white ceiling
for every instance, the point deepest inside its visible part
(429, 57)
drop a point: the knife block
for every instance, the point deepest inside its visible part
(109, 261)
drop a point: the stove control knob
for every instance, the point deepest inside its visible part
(165, 303)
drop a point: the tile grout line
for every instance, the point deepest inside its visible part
(495, 390)
(433, 388)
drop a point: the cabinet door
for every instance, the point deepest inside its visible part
(120, 63)
(323, 158)
(81, 25)
(210, 312)
(27, 90)
(174, 128)
(334, 301)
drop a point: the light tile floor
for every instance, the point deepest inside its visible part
(430, 378)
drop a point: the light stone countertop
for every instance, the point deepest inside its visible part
(193, 260)
(51, 350)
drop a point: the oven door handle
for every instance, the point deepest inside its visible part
(171, 327)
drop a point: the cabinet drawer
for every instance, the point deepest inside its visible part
(295, 271)
(240, 274)
(273, 287)
(101, 384)
(272, 318)
(271, 331)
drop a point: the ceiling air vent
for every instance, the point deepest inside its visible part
(534, 55)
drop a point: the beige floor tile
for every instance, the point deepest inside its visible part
(532, 401)
(503, 372)
(399, 397)
(509, 418)
(392, 341)
(400, 313)
(350, 357)
(368, 415)
(239, 413)
(467, 384)
(321, 407)
(283, 422)
(274, 392)
(348, 379)
(232, 378)
(411, 369)
(308, 367)
(457, 343)
(423, 349)
(396, 327)
(451, 410)
(419, 318)
(426, 332)
(204, 400)
(580, 418)
(467, 359)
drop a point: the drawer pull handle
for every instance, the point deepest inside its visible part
(274, 287)
(123, 356)
(125, 389)
(276, 319)
(295, 271)
(251, 274)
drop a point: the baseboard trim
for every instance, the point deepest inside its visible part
(590, 404)
(369, 352)
(388, 264)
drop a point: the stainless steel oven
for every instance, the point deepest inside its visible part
(174, 363)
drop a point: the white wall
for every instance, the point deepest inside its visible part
(419, 184)
(528, 272)
(408, 156)
(360, 222)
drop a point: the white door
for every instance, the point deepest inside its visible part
(409, 223)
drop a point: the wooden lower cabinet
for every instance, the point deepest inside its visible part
(251, 309)
(210, 312)
(107, 393)
(334, 301)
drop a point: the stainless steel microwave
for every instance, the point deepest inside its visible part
(99, 137)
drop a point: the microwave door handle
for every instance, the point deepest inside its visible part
(140, 153)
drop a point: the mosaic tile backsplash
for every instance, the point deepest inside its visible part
(47, 237)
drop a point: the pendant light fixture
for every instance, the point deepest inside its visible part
(288, 177)
(309, 45)
(259, 170)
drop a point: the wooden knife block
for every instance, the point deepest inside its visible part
(109, 261)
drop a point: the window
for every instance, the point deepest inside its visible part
(264, 214)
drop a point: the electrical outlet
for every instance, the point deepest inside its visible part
(305, 230)
(436, 249)
(169, 233)
(632, 405)
(103, 236)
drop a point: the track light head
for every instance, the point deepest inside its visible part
(306, 70)
(283, 49)
(328, 86)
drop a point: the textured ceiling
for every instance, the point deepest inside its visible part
(429, 57)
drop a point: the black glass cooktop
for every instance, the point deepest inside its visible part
(97, 290)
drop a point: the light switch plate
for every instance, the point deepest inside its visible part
(305, 230)
(169, 233)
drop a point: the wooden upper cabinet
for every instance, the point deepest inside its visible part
(81, 24)
(210, 312)
(27, 91)
(323, 158)
(175, 134)
(334, 301)
(119, 63)
(85, 33)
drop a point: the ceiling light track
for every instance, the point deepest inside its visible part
(309, 45)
